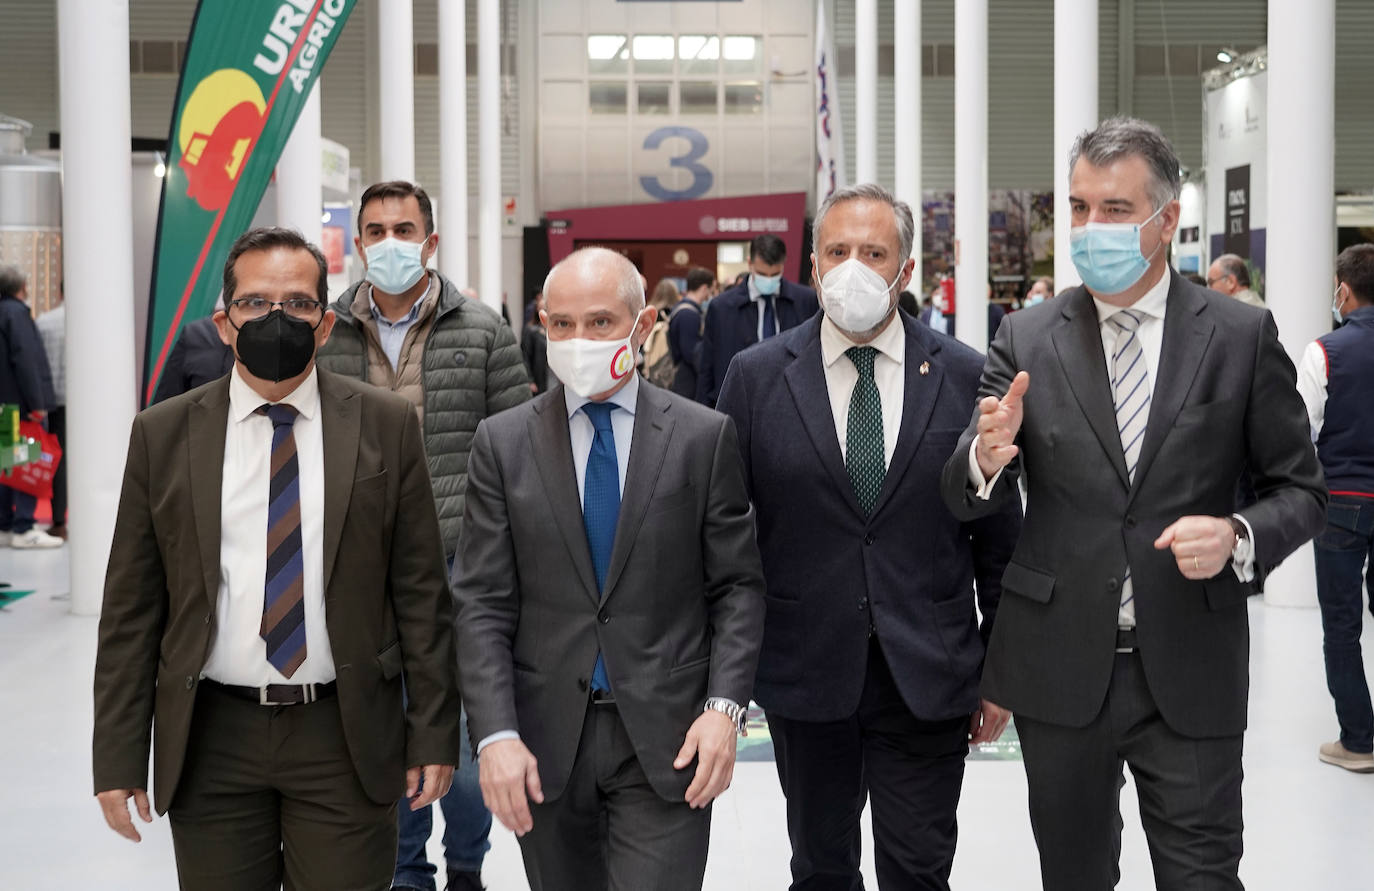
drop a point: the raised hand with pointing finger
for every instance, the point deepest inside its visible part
(999, 420)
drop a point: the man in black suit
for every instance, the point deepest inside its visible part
(198, 357)
(1132, 405)
(608, 642)
(764, 305)
(872, 647)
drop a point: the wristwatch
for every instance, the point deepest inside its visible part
(730, 709)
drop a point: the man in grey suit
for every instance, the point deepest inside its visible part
(608, 642)
(1131, 406)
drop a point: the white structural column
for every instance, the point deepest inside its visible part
(300, 189)
(453, 136)
(906, 93)
(396, 82)
(489, 150)
(1075, 110)
(865, 91)
(1302, 207)
(971, 172)
(98, 270)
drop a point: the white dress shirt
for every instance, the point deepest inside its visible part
(238, 654)
(581, 433)
(1151, 335)
(1312, 379)
(841, 376)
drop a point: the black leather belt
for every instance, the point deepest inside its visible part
(603, 697)
(275, 694)
(1125, 640)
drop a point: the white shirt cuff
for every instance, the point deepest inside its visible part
(498, 736)
(982, 487)
(1243, 557)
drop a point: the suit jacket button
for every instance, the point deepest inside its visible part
(1113, 584)
(582, 684)
(1130, 521)
(863, 604)
(190, 682)
(604, 617)
(868, 539)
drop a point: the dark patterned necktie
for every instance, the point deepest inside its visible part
(864, 439)
(770, 319)
(283, 602)
(601, 507)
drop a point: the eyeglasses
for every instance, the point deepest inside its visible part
(250, 309)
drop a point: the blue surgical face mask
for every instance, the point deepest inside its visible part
(767, 285)
(1336, 302)
(1107, 255)
(394, 266)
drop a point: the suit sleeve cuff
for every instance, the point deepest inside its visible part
(1243, 557)
(498, 736)
(982, 487)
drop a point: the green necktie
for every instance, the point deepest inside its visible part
(864, 444)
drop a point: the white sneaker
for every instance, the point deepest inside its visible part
(35, 538)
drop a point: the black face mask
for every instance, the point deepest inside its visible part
(276, 347)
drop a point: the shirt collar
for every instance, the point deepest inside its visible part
(891, 341)
(1151, 303)
(410, 317)
(625, 397)
(243, 400)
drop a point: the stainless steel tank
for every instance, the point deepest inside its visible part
(30, 214)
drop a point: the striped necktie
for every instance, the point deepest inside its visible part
(283, 602)
(1131, 387)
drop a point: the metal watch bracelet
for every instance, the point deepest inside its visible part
(735, 712)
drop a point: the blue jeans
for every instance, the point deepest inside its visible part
(16, 510)
(466, 825)
(1341, 551)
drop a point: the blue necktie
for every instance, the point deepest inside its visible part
(601, 507)
(770, 321)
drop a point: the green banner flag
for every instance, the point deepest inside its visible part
(249, 67)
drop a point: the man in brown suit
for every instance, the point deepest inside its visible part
(271, 676)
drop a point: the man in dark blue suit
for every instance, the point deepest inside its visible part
(872, 647)
(749, 313)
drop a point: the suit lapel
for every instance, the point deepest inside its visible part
(920, 392)
(552, 450)
(653, 429)
(1078, 342)
(805, 378)
(341, 428)
(209, 422)
(1187, 334)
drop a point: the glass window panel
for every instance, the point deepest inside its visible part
(697, 97)
(607, 97)
(653, 54)
(743, 55)
(698, 54)
(608, 54)
(654, 98)
(744, 98)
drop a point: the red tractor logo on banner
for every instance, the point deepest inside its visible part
(221, 121)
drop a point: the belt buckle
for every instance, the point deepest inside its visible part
(307, 691)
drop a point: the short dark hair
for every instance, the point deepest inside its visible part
(698, 277)
(271, 238)
(1355, 267)
(768, 248)
(1195, 278)
(1234, 265)
(397, 188)
(11, 281)
(907, 301)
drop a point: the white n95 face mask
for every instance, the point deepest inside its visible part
(588, 367)
(856, 298)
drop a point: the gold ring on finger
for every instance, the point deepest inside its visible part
(1196, 567)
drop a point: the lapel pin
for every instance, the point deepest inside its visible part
(925, 368)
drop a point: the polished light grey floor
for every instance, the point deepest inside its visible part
(1308, 825)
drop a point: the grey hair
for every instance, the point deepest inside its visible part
(906, 225)
(11, 281)
(629, 285)
(1122, 137)
(1233, 265)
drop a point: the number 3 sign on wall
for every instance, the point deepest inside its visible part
(697, 146)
